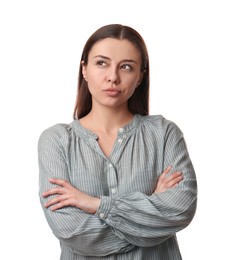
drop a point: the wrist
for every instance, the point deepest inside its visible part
(95, 205)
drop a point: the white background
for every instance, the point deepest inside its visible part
(191, 55)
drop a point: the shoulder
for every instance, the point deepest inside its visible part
(56, 134)
(157, 127)
(159, 123)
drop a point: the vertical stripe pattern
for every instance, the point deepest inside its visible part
(132, 223)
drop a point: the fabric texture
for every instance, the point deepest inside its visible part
(131, 222)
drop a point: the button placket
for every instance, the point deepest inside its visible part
(120, 140)
(112, 172)
(110, 165)
(121, 135)
(113, 190)
(121, 130)
(112, 179)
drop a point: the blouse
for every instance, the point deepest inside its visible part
(132, 222)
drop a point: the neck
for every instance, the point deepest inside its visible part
(107, 120)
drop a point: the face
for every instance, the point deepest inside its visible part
(112, 72)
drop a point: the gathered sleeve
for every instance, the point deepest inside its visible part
(82, 233)
(150, 220)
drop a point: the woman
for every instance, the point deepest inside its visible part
(116, 183)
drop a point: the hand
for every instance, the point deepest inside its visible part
(67, 195)
(166, 182)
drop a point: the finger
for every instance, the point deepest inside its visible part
(57, 190)
(173, 175)
(175, 180)
(53, 191)
(162, 179)
(60, 205)
(166, 171)
(59, 182)
(54, 201)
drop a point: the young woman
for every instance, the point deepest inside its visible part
(116, 183)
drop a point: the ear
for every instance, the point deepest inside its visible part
(141, 78)
(84, 70)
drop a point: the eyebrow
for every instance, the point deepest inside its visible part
(107, 58)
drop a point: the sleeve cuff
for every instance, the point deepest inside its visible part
(104, 207)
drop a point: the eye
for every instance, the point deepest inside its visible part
(126, 67)
(101, 63)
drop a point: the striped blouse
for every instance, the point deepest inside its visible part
(132, 222)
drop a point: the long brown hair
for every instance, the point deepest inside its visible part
(139, 101)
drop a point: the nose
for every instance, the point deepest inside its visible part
(113, 76)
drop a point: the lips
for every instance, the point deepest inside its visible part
(112, 92)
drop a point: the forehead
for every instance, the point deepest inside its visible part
(115, 48)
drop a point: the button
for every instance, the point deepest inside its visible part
(119, 141)
(101, 215)
(124, 136)
(110, 165)
(114, 190)
(121, 130)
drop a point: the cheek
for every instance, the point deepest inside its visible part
(132, 84)
(92, 79)
(95, 74)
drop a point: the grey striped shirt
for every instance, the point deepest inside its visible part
(132, 223)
